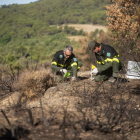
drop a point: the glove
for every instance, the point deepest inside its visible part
(67, 74)
(63, 70)
(95, 71)
(73, 78)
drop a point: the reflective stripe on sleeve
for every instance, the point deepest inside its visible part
(100, 62)
(61, 65)
(54, 63)
(116, 59)
(109, 60)
(73, 64)
(117, 55)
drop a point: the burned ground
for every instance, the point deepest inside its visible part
(82, 110)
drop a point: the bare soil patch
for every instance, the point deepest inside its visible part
(77, 38)
(87, 27)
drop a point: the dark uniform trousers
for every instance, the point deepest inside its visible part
(112, 71)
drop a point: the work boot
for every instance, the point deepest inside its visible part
(111, 80)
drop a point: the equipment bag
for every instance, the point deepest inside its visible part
(133, 70)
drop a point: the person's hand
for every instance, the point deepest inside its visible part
(73, 78)
(95, 71)
(63, 70)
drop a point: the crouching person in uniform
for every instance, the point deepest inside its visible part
(64, 63)
(109, 63)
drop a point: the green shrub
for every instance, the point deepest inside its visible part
(5, 39)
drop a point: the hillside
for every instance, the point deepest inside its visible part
(29, 33)
(33, 19)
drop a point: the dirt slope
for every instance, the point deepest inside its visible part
(70, 111)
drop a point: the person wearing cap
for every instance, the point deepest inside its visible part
(65, 63)
(108, 61)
